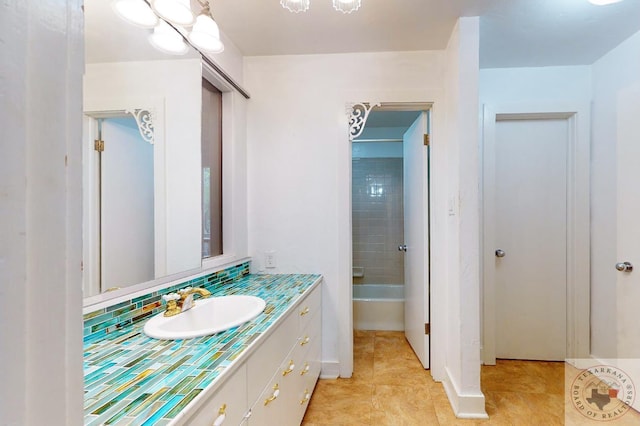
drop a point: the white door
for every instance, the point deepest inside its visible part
(628, 234)
(127, 204)
(416, 235)
(530, 235)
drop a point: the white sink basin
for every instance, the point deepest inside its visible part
(208, 316)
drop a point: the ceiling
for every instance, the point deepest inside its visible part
(512, 32)
(402, 119)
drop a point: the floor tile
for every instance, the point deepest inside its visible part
(390, 387)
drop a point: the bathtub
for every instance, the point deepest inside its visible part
(378, 307)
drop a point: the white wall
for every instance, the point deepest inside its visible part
(299, 186)
(231, 60)
(552, 89)
(457, 211)
(176, 84)
(615, 71)
(513, 85)
(300, 164)
(40, 213)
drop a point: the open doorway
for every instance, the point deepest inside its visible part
(390, 224)
(119, 205)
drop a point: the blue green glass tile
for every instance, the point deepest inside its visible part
(174, 371)
(87, 317)
(93, 337)
(107, 316)
(183, 403)
(159, 414)
(118, 306)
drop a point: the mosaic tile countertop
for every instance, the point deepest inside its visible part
(131, 379)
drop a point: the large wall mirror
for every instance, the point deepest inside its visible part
(141, 158)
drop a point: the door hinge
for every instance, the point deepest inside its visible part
(427, 328)
(426, 139)
(99, 145)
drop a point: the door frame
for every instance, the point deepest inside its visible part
(345, 369)
(578, 219)
(96, 108)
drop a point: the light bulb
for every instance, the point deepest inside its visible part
(168, 40)
(136, 12)
(175, 11)
(205, 35)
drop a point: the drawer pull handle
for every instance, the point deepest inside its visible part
(304, 312)
(306, 398)
(276, 392)
(221, 415)
(305, 370)
(305, 341)
(289, 369)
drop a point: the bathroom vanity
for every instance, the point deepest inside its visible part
(260, 373)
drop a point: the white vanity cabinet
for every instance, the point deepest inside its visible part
(283, 398)
(272, 387)
(227, 406)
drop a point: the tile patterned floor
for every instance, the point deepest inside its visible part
(390, 387)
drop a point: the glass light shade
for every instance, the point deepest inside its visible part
(205, 35)
(136, 12)
(175, 11)
(603, 2)
(347, 6)
(295, 5)
(168, 40)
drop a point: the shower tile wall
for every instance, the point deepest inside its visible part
(378, 221)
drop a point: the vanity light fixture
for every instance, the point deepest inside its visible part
(344, 6)
(168, 38)
(603, 2)
(175, 11)
(205, 34)
(136, 12)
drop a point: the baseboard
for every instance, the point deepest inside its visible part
(465, 406)
(330, 370)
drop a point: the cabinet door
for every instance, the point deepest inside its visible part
(227, 406)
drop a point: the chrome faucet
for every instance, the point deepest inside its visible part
(183, 300)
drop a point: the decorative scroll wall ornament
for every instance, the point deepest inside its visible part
(144, 120)
(358, 114)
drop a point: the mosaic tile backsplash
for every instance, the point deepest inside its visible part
(131, 379)
(99, 323)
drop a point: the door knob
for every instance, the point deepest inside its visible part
(500, 253)
(402, 247)
(624, 267)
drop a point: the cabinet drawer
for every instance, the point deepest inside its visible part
(267, 358)
(309, 307)
(228, 405)
(271, 406)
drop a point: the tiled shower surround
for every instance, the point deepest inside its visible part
(378, 220)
